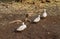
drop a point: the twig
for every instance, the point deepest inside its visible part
(15, 21)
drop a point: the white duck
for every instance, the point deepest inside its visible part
(22, 27)
(37, 19)
(44, 13)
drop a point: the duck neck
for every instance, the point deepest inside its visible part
(44, 10)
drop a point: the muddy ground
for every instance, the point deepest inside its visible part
(48, 28)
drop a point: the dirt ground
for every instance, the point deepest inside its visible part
(48, 28)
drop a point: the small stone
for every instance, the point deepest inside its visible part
(48, 32)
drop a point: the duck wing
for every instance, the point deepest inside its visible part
(22, 27)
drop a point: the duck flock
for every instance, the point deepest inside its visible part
(37, 19)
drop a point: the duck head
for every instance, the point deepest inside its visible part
(23, 23)
(44, 10)
(38, 15)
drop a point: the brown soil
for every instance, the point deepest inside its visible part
(48, 28)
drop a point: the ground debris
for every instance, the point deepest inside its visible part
(15, 21)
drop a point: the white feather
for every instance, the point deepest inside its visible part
(45, 13)
(22, 27)
(37, 19)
